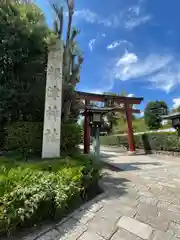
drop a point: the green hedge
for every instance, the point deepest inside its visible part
(109, 140)
(160, 141)
(26, 138)
(71, 135)
(35, 191)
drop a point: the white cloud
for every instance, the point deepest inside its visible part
(168, 77)
(126, 60)
(130, 95)
(161, 71)
(135, 22)
(92, 90)
(117, 43)
(165, 80)
(128, 18)
(113, 45)
(176, 102)
(136, 9)
(91, 44)
(135, 16)
(92, 17)
(94, 40)
(130, 66)
(87, 15)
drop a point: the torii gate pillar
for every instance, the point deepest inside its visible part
(87, 131)
(130, 129)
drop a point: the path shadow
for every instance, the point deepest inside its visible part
(133, 166)
(124, 166)
(109, 155)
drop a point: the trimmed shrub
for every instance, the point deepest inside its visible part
(24, 138)
(160, 141)
(71, 136)
(109, 140)
(35, 191)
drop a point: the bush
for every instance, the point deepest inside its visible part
(24, 138)
(32, 192)
(71, 136)
(109, 140)
(160, 141)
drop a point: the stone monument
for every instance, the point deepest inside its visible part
(53, 102)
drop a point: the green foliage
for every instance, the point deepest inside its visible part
(138, 126)
(176, 110)
(35, 191)
(152, 113)
(71, 136)
(160, 141)
(111, 140)
(23, 53)
(25, 38)
(24, 138)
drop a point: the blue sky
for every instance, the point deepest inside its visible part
(129, 45)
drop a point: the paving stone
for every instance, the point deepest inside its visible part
(51, 235)
(90, 236)
(174, 229)
(117, 209)
(168, 185)
(110, 212)
(38, 233)
(145, 193)
(102, 226)
(95, 207)
(127, 211)
(84, 216)
(153, 216)
(132, 202)
(176, 180)
(70, 230)
(122, 234)
(142, 188)
(148, 200)
(176, 201)
(130, 184)
(159, 235)
(174, 208)
(163, 204)
(137, 228)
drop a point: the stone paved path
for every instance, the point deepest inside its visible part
(141, 202)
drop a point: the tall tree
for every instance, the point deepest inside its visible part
(153, 113)
(23, 55)
(72, 59)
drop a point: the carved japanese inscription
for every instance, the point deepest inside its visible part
(52, 112)
(56, 73)
(51, 135)
(53, 92)
(53, 99)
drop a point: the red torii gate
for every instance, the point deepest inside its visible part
(115, 102)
